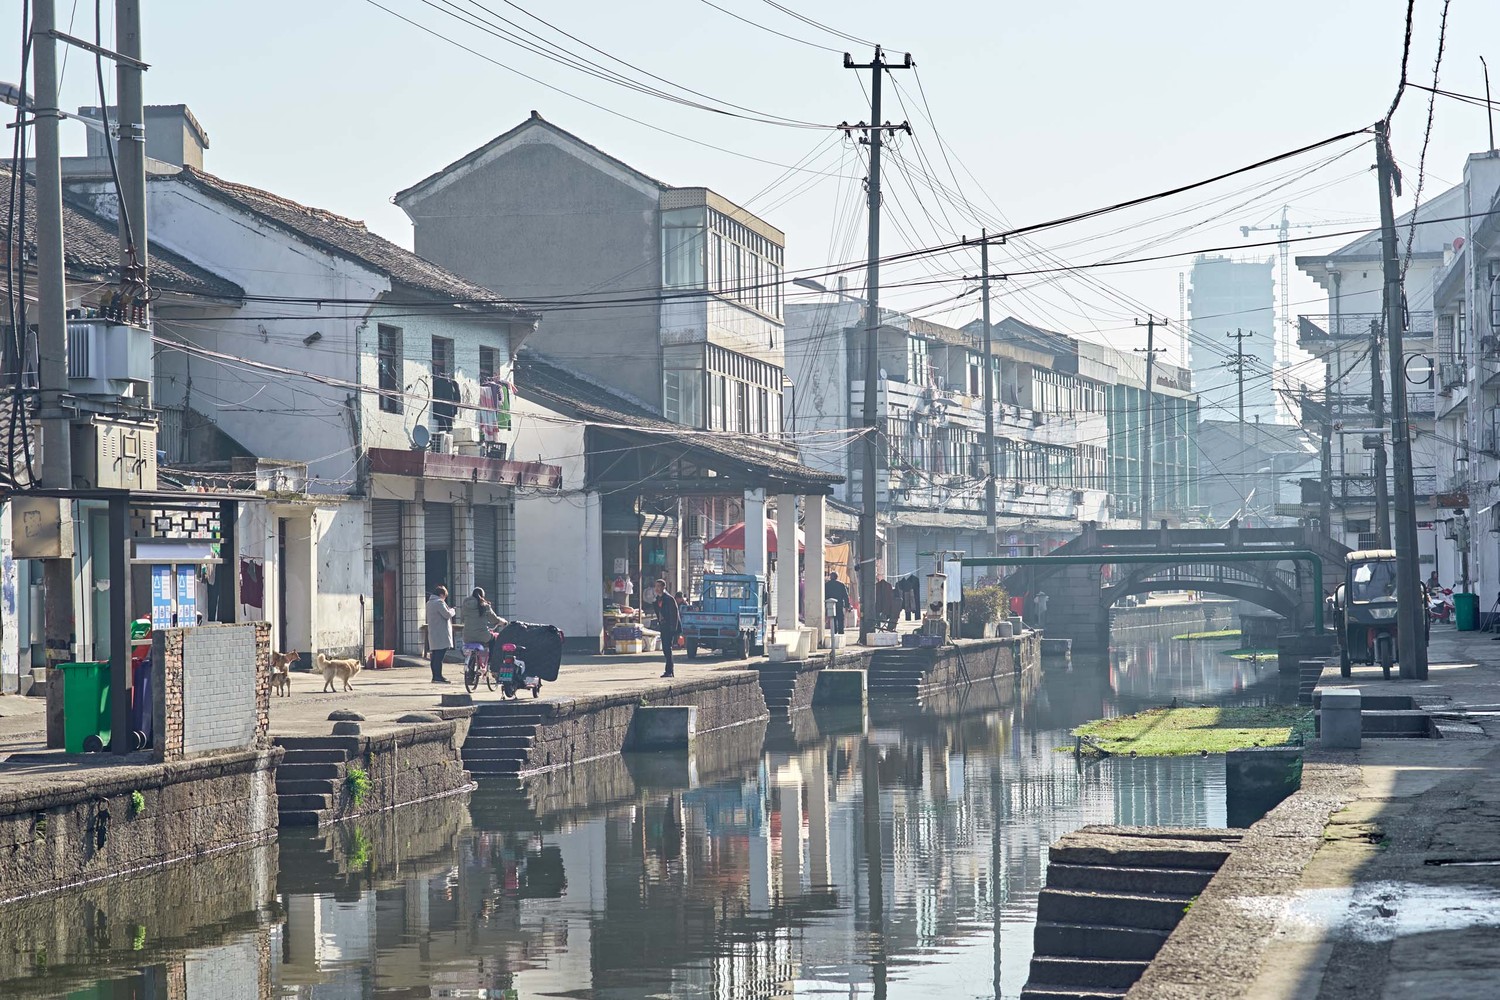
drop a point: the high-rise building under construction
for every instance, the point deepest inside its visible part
(1228, 297)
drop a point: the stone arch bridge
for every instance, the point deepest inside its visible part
(1232, 562)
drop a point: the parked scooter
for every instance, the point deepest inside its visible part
(1440, 604)
(525, 655)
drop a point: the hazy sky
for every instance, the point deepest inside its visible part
(1054, 107)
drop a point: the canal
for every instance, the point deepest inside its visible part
(904, 860)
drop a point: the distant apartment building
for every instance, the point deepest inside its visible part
(1054, 429)
(1229, 296)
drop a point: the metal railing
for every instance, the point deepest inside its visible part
(1351, 326)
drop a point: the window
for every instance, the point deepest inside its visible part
(489, 364)
(762, 411)
(388, 361)
(682, 248)
(974, 388)
(442, 357)
(1494, 296)
(444, 388)
(916, 361)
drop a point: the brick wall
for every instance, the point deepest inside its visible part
(213, 688)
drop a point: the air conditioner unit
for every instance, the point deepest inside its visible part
(465, 435)
(442, 443)
(698, 526)
(108, 359)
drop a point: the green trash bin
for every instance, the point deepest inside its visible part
(1466, 611)
(85, 704)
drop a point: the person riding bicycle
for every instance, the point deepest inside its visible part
(480, 623)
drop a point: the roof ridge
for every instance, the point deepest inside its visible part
(248, 189)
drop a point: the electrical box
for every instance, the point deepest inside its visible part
(114, 455)
(42, 527)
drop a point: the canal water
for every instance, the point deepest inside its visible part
(903, 861)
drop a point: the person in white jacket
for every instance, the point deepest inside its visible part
(439, 630)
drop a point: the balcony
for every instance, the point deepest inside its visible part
(1451, 375)
(1334, 327)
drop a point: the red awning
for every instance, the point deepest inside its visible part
(733, 537)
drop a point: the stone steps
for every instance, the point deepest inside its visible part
(1104, 974)
(1104, 878)
(506, 742)
(1096, 941)
(1138, 910)
(309, 779)
(1113, 896)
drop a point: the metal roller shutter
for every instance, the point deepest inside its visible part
(385, 521)
(486, 565)
(439, 526)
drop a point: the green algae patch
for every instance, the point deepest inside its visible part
(1227, 633)
(1174, 732)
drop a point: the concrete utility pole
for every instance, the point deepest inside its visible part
(1151, 351)
(987, 376)
(1411, 647)
(131, 121)
(1376, 442)
(1237, 363)
(52, 325)
(874, 132)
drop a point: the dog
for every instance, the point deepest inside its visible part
(281, 672)
(343, 670)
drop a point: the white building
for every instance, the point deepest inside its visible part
(1343, 341)
(367, 365)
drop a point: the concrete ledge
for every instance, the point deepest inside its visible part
(662, 727)
(1340, 722)
(840, 687)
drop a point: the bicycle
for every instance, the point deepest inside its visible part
(477, 665)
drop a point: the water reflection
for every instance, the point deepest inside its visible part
(900, 859)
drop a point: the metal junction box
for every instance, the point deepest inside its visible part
(108, 359)
(111, 454)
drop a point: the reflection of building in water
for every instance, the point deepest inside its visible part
(831, 868)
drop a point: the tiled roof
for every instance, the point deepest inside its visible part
(350, 239)
(544, 381)
(92, 250)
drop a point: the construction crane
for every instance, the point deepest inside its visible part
(1284, 339)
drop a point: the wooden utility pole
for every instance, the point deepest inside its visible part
(874, 132)
(1411, 621)
(1151, 351)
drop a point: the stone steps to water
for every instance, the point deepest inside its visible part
(299, 803)
(1113, 896)
(293, 768)
(309, 779)
(1096, 941)
(300, 817)
(1105, 878)
(501, 735)
(1099, 974)
(1139, 910)
(291, 785)
(507, 742)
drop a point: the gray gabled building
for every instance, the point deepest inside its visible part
(670, 295)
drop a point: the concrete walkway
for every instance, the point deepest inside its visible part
(1381, 878)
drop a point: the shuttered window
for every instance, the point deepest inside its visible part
(486, 566)
(385, 519)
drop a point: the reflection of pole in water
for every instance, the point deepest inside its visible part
(997, 794)
(789, 786)
(874, 865)
(817, 815)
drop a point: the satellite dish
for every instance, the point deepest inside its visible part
(421, 437)
(1458, 243)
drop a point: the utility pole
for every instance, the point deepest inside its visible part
(1151, 352)
(131, 122)
(1411, 649)
(1237, 363)
(52, 325)
(988, 377)
(1375, 443)
(874, 132)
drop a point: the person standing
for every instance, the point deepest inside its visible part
(1039, 602)
(834, 590)
(668, 622)
(439, 630)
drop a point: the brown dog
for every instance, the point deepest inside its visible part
(281, 672)
(343, 670)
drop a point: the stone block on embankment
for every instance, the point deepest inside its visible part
(1339, 723)
(1256, 779)
(840, 687)
(662, 727)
